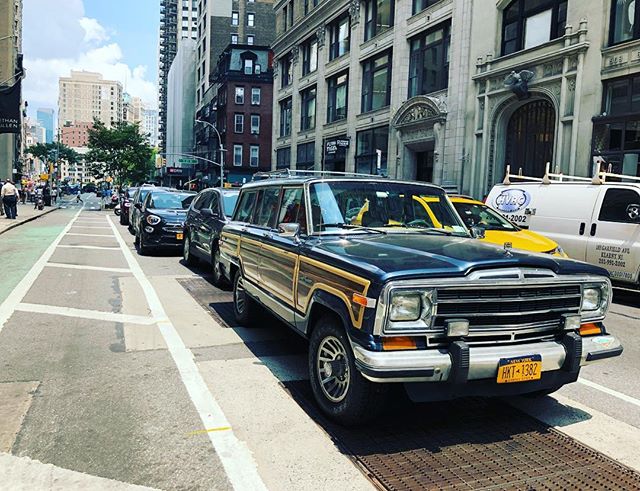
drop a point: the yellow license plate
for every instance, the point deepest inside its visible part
(179, 236)
(520, 369)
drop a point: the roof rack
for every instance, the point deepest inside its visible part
(599, 177)
(291, 174)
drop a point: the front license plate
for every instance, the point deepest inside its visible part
(520, 369)
(179, 236)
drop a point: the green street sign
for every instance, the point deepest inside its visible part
(188, 161)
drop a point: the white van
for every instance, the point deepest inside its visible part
(592, 220)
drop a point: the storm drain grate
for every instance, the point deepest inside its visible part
(468, 444)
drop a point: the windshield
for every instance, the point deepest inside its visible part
(476, 215)
(230, 199)
(170, 201)
(375, 204)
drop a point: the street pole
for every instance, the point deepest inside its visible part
(222, 150)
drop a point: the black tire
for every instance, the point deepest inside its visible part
(131, 229)
(143, 249)
(244, 307)
(187, 256)
(361, 401)
(218, 278)
(122, 220)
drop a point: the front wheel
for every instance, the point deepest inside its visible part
(244, 307)
(143, 249)
(342, 393)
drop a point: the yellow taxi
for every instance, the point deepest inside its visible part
(499, 230)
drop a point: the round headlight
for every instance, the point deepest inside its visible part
(591, 299)
(153, 220)
(405, 307)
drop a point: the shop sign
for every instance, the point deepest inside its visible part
(512, 200)
(176, 171)
(332, 146)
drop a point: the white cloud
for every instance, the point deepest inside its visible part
(93, 31)
(60, 39)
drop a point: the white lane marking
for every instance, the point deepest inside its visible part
(88, 226)
(18, 293)
(611, 392)
(88, 247)
(36, 308)
(91, 235)
(90, 268)
(235, 456)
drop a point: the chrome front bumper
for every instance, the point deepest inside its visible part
(477, 363)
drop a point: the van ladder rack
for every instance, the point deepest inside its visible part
(290, 174)
(599, 177)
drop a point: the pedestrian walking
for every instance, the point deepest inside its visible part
(9, 195)
(79, 197)
(54, 194)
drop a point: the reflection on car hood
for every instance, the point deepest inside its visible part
(169, 216)
(521, 239)
(418, 256)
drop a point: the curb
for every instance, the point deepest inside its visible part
(35, 217)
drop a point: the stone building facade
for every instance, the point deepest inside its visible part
(452, 91)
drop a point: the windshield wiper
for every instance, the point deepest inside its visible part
(347, 226)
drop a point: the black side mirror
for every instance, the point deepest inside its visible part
(478, 232)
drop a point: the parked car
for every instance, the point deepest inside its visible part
(500, 231)
(162, 216)
(398, 300)
(208, 213)
(136, 205)
(596, 223)
(126, 200)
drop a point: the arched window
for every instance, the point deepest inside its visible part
(529, 23)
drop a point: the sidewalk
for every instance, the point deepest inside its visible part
(26, 213)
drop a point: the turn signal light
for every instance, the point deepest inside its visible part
(363, 301)
(398, 343)
(589, 329)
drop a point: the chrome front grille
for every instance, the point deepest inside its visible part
(506, 314)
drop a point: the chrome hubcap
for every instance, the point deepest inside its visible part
(333, 369)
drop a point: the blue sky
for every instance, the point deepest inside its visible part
(118, 38)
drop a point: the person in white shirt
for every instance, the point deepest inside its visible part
(9, 196)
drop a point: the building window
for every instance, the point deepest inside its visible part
(254, 155)
(339, 37)
(285, 17)
(238, 123)
(237, 155)
(378, 17)
(529, 24)
(255, 124)
(234, 39)
(250, 40)
(283, 158)
(235, 18)
(371, 150)
(305, 158)
(251, 20)
(616, 136)
(624, 21)
(248, 66)
(239, 95)
(420, 5)
(376, 82)
(429, 61)
(290, 13)
(305, 6)
(309, 56)
(337, 97)
(255, 96)
(285, 117)
(308, 109)
(287, 70)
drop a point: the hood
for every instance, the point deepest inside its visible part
(169, 216)
(399, 255)
(521, 239)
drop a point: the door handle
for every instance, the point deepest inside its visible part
(593, 229)
(582, 227)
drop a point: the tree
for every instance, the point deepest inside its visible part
(51, 151)
(120, 152)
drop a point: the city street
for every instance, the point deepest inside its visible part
(118, 369)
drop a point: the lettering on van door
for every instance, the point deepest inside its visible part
(610, 256)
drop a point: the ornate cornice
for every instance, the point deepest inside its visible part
(419, 110)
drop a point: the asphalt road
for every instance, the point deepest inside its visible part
(114, 365)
